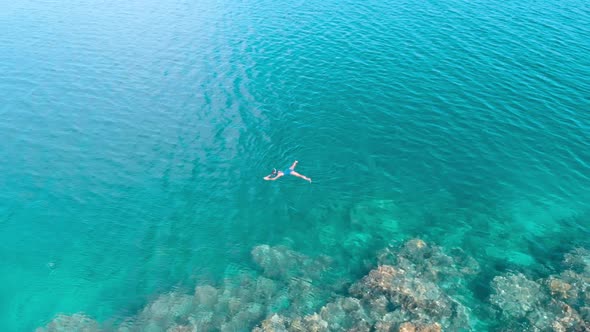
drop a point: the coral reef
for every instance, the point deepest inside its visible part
(431, 262)
(73, 323)
(390, 297)
(281, 262)
(413, 287)
(412, 295)
(556, 303)
(238, 304)
(516, 295)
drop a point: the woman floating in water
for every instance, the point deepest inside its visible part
(289, 171)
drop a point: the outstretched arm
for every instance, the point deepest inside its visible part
(270, 178)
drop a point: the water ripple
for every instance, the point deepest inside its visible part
(135, 136)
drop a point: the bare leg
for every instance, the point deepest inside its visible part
(301, 176)
(293, 166)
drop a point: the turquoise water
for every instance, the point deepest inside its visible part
(135, 135)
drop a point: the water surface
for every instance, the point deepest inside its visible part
(135, 136)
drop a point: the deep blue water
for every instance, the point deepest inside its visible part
(135, 135)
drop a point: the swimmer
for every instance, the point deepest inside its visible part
(289, 171)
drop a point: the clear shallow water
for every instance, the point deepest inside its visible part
(135, 136)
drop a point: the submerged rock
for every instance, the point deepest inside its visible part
(167, 310)
(431, 262)
(578, 260)
(560, 289)
(182, 328)
(556, 303)
(281, 262)
(406, 294)
(516, 295)
(71, 323)
(313, 323)
(274, 323)
(386, 297)
(384, 326)
(411, 327)
(379, 281)
(344, 313)
(407, 327)
(419, 299)
(206, 296)
(570, 320)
